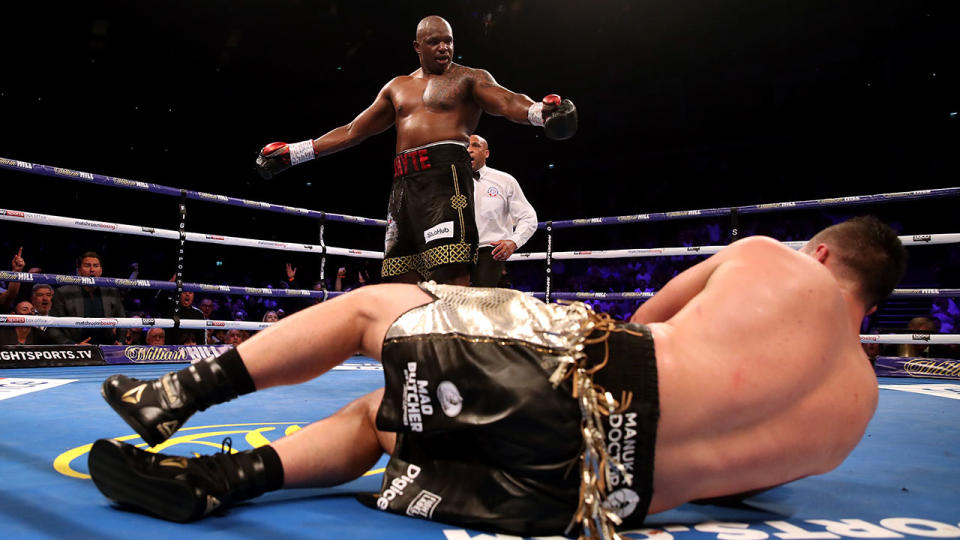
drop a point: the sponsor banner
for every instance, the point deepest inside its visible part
(922, 368)
(13, 387)
(160, 354)
(17, 356)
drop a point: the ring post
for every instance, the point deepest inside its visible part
(734, 225)
(182, 205)
(549, 228)
(323, 256)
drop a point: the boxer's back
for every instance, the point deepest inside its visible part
(762, 378)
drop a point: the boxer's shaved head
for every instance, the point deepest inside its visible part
(431, 22)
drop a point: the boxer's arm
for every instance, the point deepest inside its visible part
(741, 256)
(498, 101)
(376, 118)
(676, 293)
(277, 157)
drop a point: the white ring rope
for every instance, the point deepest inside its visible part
(127, 322)
(934, 339)
(201, 324)
(104, 226)
(907, 240)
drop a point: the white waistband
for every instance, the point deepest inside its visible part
(461, 143)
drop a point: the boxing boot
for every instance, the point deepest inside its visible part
(182, 489)
(156, 409)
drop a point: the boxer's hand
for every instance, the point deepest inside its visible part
(561, 122)
(280, 156)
(273, 158)
(557, 116)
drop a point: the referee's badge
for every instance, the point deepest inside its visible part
(492, 191)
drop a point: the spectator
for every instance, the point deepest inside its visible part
(271, 316)
(133, 336)
(340, 284)
(207, 308)
(86, 301)
(872, 350)
(20, 335)
(505, 220)
(218, 337)
(236, 336)
(947, 312)
(156, 336)
(294, 304)
(918, 325)
(42, 298)
(187, 311)
(8, 296)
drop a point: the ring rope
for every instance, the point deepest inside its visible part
(633, 295)
(127, 322)
(122, 283)
(908, 240)
(203, 324)
(760, 208)
(932, 339)
(104, 226)
(136, 185)
(69, 174)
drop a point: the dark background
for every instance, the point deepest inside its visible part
(683, 105)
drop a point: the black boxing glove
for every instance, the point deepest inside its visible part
(558, 117)
(280, 156)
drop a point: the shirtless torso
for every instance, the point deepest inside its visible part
(429, 106)
(440, 101)
(758, 344)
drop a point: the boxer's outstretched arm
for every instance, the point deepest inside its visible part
(498, 101)
(376, 118)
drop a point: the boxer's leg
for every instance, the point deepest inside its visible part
(336, 449)
(300, 347)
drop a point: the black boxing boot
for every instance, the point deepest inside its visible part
(156, 409)
(182, 489)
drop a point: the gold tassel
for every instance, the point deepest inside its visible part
(596, 522)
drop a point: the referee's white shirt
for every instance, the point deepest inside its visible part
(502, 211)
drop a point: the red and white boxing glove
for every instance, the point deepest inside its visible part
(280, 156)
(558, 117)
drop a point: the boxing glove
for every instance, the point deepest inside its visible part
(280, 156)
(558, 117)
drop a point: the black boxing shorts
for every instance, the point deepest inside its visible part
(484, 439)
(430, 219)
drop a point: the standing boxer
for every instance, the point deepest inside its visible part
(431, 230)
